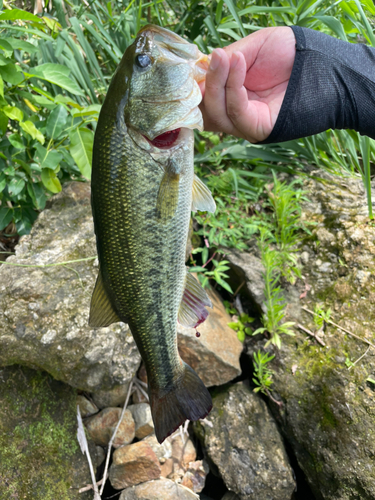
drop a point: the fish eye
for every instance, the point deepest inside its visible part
(142, 60)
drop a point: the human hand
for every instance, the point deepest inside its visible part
(246, 83)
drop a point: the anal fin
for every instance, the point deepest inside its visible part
(193, 310)
(101, 310)
(202, 197)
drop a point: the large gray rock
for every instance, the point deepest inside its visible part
(44, 312)
(328, 411)
(40, 458)
(242, 441)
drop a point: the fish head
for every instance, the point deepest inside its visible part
(163, 73)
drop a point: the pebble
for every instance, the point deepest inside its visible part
(162, 489)
(144, 425)
(133, 464)
(195, 477)
(86, 407)
(102, 425)
(111, 398)
(183, 452)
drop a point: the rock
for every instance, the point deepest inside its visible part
(143, 420)
(39, 452)
(183, 452)
(243, 442)
(133, 464)
(86, 407)
(162, 451)
(167, 467)
(215, 354)
(111, 397)
(195, 476)
(100, 456)
(229, 495)
(248, 268)
(162, 489)
(102, 425)
(45, 310)
(328, 412)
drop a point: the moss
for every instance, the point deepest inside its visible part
(38, 443)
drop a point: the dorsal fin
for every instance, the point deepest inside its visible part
(202, 197)
(101, 310)
(192, 310)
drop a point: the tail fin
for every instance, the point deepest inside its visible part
(187, 400)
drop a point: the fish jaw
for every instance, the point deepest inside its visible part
(158, 104)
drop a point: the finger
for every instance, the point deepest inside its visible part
(213, 106)
(236, 94)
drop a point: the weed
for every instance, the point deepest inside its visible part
(262, 373)
(321, 316)
(242, 326)
(274, 301)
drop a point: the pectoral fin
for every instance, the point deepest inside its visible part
(101, 310)
(202, 197)
(193, 310)
(167, 201)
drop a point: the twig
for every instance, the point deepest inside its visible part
(81, 436)
(238, 305)
(89, 487)
(341, 328)
(114, 434)
(359, 359)
(320, 341)
(279, 403)
(140, 388)
(238, 289)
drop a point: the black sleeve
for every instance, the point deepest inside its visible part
(332, 85)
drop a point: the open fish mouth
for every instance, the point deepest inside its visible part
(166, 140)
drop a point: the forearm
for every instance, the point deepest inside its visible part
(332, 85)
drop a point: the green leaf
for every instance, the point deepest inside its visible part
(3, 123)
(11, 74)
(16, 141)
(49, 159)
(94, 109)
(31, 129)
(51, 181)
(15, 186)
(13, 113)
(17, 43)
(1, 87)
(6, 47)
(56, 122)
(36, 192)
(81, 143)
(13, 14)
(3, 182)
(241, 336)
(6, 216)
(57, 74)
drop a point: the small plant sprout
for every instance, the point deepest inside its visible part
(262, 373)
(321, 316)
(241, 326)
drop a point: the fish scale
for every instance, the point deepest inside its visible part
(142, 199)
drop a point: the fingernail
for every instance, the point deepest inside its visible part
(234, 60)
(215, 60)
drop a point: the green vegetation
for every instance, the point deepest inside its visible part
(321, 316)
(262, 373)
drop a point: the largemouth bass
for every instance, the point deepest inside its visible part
(143, 191)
